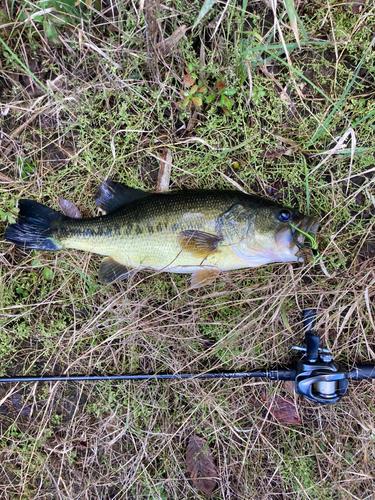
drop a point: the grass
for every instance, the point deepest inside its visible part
(98, 96)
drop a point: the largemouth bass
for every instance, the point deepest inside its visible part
(198, 232)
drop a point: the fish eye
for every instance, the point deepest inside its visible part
(284, 215)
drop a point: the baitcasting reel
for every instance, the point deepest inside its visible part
(318, 377)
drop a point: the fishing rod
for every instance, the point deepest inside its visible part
(316, 376)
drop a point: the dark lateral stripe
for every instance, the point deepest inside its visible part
(87, 232)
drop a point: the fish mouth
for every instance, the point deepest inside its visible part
(309, 226)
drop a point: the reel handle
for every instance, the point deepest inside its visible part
(309, 316)
(312, 340)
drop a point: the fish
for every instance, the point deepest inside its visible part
(200, 232)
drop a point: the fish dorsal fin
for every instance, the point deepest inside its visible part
(198, 243)
(110, 271)
(203, 277)
(111, 195)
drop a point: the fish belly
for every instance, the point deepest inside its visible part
(161, 253)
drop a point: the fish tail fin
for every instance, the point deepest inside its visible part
(36, 227)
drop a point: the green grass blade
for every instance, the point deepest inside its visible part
(292, 14)
(365, 118)
(23, 66)
(289, 46)
(326, 124)
(301, 75)
(207, 6)
(31, 74)
(307, 185)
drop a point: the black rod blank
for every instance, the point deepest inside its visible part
(359, 372)
(282, 374)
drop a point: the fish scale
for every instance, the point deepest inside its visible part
(143, 233)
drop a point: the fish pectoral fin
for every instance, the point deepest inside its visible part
(203, 277)
(198, 243)
(110, 271)
(111, 195)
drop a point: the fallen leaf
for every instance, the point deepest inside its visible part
(356, 7)
(276, 189)
(273, 153)
(166, 46)
(188, 80)
(165, 168)
(367, 251)
(69, 208)
(284, 410)
(24, 408)
(80, 444)
(220, 85)
(192, 121)
(201, 465)
(3, 410)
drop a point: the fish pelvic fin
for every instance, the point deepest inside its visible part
(199, 243)
(36, 227)
(110, 271)
(111, 195)
(203, 277)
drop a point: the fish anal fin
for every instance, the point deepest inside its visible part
(203, 277)
(198, 243)
(111, 195)
(110, 271)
